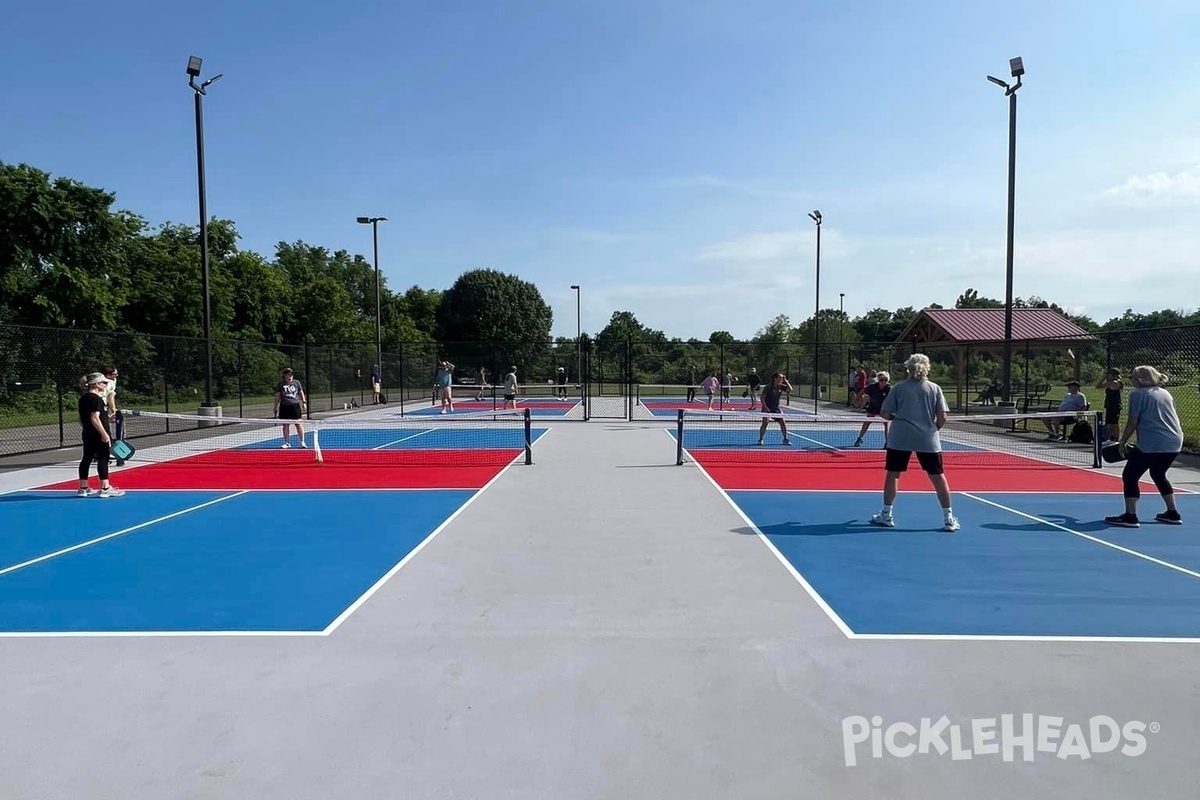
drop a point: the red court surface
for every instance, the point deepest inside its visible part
(399, 470)
(863, 471)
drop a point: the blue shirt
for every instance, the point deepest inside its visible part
(1073, 402)
(914, 406)
(1158, 428)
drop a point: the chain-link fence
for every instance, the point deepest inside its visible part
(972, 375)
(40, 370)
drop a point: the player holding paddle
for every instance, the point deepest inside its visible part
(1152, 416)
(876, 393)
(917, 410)
(770, 405)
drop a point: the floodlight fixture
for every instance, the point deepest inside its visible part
(1018, 68)
(816, 217)
(998, 82)
(193, 67)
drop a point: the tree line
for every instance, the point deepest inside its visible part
(69, 258)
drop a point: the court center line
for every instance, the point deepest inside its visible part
(122, 532)
(405, 439)
(1080, 534)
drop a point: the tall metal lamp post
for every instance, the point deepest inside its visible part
(374, 223)
(815, 216)
(578, 336)
(1018, 69)
(193, 71)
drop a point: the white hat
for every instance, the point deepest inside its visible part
(95, 378)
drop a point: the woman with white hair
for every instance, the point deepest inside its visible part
(916, 409)
(1153, 418)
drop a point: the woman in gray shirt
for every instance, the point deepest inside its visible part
(917, 410)
(1153, 417)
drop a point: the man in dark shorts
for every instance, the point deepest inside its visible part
(917, 409)
(753, 384)
(770, 405)
(289, 404)
(876, 393)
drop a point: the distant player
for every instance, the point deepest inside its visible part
(376, 384)
(917, 409)
(110, 401)
(443, 383)
(290, 404)
(510, 389)
(710, 386)
(876, 393)
(770, 405)
(753, 384)
(562, 383)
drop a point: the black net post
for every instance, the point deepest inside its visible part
(528, 437)
(679, 438)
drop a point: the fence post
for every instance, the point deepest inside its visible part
(167, 381)
(308, 370)
(402, 393)
(241, 368)
(62, 433)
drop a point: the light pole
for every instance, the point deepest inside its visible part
(193, 71)
(1018, 69)
(815, 216)
(374, 223)
(578, 336)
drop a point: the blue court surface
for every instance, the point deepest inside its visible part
(204, 561)
(1023, 564)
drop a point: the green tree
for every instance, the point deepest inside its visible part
(489, 317)
(971, 299)
(62, 251)
(721, 337)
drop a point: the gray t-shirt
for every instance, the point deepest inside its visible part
(1158, 428)
(289, 392)
(914, 405)
(510, 383)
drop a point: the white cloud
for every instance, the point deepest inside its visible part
(1158, 189)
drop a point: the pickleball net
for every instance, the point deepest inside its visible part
(481, 439)
(985, 440)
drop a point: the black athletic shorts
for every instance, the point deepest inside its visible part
(510, 397)
(289, 411)
(897, 461)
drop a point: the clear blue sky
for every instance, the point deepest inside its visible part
(662, 154)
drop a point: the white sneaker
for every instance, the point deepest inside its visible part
(284, 446)
(951, 524)
(111, 491)
(303, 445)
(86, 493)
(883, 520)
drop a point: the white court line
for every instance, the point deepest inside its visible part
(1090, 538)
(357, 604)
(405, 439)
(967, 637)
(122, 532)
(850, 634)
(820, 601)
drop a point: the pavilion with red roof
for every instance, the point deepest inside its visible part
(965, 331)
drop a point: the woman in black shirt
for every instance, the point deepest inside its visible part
(93, 419)
(875, 394)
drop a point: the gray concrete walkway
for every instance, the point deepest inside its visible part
(598, 625)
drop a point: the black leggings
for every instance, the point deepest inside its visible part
(94, 450)
(1139, 463)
